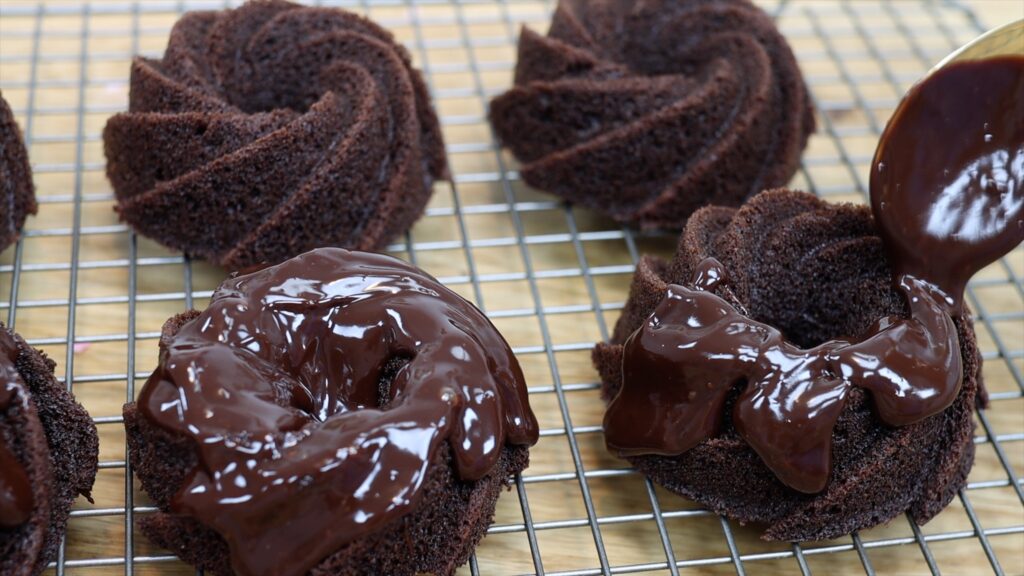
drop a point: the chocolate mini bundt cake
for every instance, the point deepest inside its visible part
(17, 193)
(815, 272)
(647, 111)
(48, 456)
(338, 413)
(272, 129)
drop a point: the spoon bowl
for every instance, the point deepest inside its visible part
(947, 179)
(1006, 40)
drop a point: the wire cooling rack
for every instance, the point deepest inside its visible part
(553, 277)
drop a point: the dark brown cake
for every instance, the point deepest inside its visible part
(648, 111)
(17, 193)
(339, 413)
(54, 446)
(272, 129)
(816, 271)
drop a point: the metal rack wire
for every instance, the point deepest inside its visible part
(858, 58)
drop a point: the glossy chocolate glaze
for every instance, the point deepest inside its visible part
(947, 194)
(15, 490)
(318, 391)
(680, 366)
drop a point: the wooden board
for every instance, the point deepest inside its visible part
(839, 47)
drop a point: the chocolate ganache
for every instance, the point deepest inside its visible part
(317, 392)
(945, 211)
(15, 490)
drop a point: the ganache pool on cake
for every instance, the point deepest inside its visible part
(313, 398)
(272, 129)
(707, 366)
(647, 111)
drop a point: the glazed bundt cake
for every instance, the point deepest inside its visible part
(815, 272)
(17, 193)
(338, 413)
(48, 456)
(647, 111)
(272, 129)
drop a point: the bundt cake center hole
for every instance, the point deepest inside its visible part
(325, 404)
(274, 93)
(271, 100)
(385, 392)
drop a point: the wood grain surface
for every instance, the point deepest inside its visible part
(65, 71)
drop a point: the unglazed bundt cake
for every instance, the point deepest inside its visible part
(48, 456)
(272, 129)
(649, 110)
(338, 413)
(815, 272)
(17, 193)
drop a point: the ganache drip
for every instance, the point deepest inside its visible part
(16, 499)
(944, 212)
(680, 366)
(318, 393)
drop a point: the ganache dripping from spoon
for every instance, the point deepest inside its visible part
(947, 194)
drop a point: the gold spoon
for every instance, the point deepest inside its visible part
(1006, 40)
(947, 178)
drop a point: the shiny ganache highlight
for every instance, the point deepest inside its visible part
(15, 490)
(944, 212)
(317, 392)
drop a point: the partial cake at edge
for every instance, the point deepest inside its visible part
(17, 192)
(55, 449)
